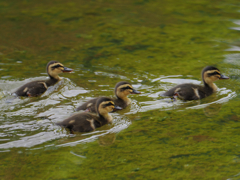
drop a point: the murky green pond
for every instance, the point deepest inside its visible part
(152, 44)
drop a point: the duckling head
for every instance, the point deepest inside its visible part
(105, 105)
(123, 89)
(54, 68)
(211, 74)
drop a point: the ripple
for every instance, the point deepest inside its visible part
(235, 28)
(232, 59)
(180, 81)
(29, 122)
(24, 120)
(219, 101)
(110, 75)
(32, 131)
(30, 141)
(233, 48)
(237, 22)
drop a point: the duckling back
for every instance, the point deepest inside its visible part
(189, 91)
(34, 88)
(89, 105)
(82, 122)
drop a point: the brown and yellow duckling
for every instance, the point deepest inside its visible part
(122, 90)
(36, 88)
(86, 121)
(193, 92)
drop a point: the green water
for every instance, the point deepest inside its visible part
(153, 45)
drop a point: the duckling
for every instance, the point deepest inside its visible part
(36, 88)
(193, 92)
(86, 121)
(122, 90)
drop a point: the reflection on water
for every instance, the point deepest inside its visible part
(107, 140)
(212, 109)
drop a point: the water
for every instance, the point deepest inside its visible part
(154, 45)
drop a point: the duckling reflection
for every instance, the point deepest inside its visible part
(212, 109)
(36, 88)
(193, 92)
(122, 90)
(107, 139)
(85, 121)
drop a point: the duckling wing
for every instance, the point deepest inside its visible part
(173, 90)
(81, 122)
(34, 88)
(185, 92)
(90, 105)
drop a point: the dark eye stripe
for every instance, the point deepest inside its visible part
(108, 104)
(56, 66)
(126, 88)
(214, 73)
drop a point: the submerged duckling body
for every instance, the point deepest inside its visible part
(192, 91)
(86, 121)
(122, 90)
(36, 88)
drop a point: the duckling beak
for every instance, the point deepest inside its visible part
(116, 108)
(223, 77)
(67, 69)
(135, 92)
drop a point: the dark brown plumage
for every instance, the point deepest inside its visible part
(122, 90)
(85, 121)
(194, 92)
(36, 88)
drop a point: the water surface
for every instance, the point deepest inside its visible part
(154, 45)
